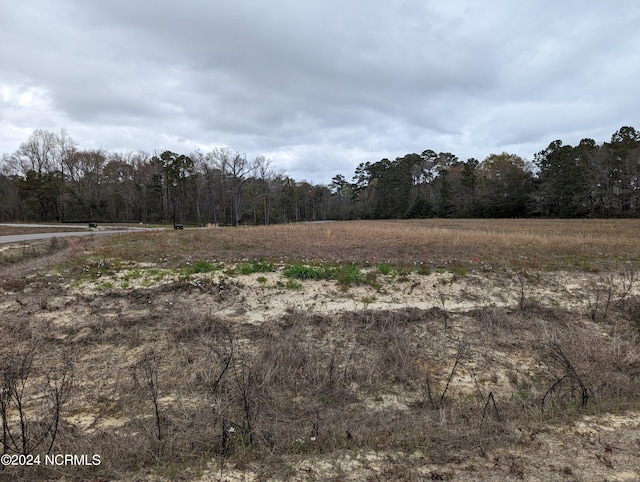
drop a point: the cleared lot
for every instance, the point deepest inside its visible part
(461, 350)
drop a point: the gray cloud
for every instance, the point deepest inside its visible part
(319, 86)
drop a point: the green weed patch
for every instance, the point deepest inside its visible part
(257, 266)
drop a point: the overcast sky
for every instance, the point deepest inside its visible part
(319, 86)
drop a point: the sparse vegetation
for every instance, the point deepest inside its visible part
(430, 244)
(171, 370)
(348, 275)
(258, 266)
(303, 271)
(201, 267)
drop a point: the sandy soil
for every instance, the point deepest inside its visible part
(594, 448)
(605, 447)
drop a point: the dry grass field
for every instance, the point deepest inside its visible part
(392, 350)
(547, 244)
(11, 230)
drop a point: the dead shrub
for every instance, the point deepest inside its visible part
(588, 367)
(186, 325)
(493, 319)
(15, 329)
(382, 320)
(139, 296)
(630, 309)
(32, 397)
(15, 285)
(396, 360)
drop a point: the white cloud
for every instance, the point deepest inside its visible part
(319, 86)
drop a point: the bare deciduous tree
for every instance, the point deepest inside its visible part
(237, 167)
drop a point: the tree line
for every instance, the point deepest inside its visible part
(587, 180)
(49, 178)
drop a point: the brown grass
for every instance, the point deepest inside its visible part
(164, 386)
(311, 385)
(589, 245)
(15, 230)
